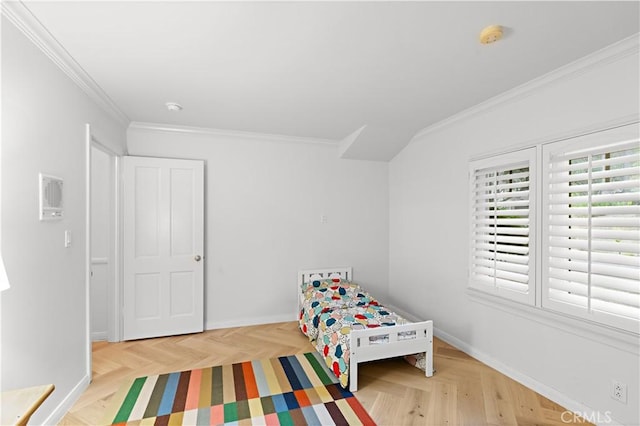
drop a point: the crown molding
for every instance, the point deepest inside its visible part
(174, 128)
(613, 53)
(22, 18)
(572, 133)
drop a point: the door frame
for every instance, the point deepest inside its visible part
(114, 328)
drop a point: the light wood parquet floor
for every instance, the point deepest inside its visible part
(462, 392)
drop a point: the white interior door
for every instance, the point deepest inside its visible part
(163, 247)
(101, 242)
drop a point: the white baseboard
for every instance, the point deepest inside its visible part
(404, 314)
(523, 379)
(99, 336)
(214, 325)
(56, 416)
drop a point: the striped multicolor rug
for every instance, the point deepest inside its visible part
(291, 390)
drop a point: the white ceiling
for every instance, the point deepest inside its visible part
(323, 69)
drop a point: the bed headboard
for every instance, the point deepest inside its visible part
(306, 275)
(346, 273)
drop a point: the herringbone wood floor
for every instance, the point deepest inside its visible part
(462, 392)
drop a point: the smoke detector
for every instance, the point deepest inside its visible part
(173, 106)
(491, 34)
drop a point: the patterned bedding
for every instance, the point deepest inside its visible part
(330, 310)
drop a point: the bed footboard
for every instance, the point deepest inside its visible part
(388, 342)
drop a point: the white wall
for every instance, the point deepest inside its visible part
(264, 199)
(44, 326)
(429, 220)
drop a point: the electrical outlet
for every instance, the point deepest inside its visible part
(619, 391)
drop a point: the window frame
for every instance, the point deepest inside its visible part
(511, 159)
(611, 140)
(588, 326)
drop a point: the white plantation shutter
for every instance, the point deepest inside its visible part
(591, 228)
(502, 225)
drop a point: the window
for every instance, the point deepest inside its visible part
(502, 223)
(589, 227)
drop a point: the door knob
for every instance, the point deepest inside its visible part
(198, 258)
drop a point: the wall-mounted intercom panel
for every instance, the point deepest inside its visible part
(51, 197)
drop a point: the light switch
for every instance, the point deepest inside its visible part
(67, 238)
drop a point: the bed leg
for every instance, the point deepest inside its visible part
(353, 375)
(429, 356)
(429, 366)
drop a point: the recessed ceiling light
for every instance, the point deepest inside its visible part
(172, 106)
(491, 34)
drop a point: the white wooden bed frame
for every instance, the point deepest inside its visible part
(361, 347)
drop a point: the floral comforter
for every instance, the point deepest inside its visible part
(330, 310)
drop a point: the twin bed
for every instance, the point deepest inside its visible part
(348, 326)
